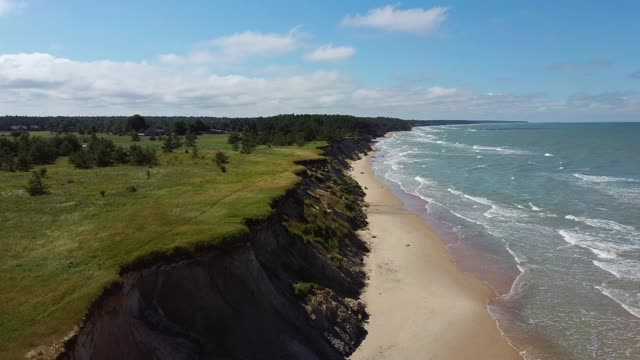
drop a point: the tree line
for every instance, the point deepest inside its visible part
(23, 152)
(286, 129)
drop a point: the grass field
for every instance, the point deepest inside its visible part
(59, 251)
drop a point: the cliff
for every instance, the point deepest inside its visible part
(284, 290)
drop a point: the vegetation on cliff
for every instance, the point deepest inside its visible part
(58, 252)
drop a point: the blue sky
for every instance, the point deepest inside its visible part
(511, 60)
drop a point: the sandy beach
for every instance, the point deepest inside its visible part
(421, 305)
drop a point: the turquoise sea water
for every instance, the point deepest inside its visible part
(546, 214)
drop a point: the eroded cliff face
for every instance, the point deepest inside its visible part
(285, 290)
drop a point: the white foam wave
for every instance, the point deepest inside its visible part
(602, 179)
(478, 199)
(602, 224)
(621, 269)
(534, 208)
(518, 258)
(600, 248)
(548, 155)
(503, 213)
(622, 298)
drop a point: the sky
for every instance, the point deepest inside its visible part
(501, 60)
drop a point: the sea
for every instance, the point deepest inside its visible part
(546, 214)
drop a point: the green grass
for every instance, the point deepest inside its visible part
(58, 252)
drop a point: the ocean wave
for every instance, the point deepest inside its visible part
(504, 213)
(621, 269)
(600, 248)
(534, 208)
(622, 298)
(603, 179)
(478, 199)
(548, 154)
(500, 149)
(431, 139)
(602, 224)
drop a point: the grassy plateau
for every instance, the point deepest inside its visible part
(59, 251)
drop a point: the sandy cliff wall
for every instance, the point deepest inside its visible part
(237, 301)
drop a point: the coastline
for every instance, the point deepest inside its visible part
(421, 305)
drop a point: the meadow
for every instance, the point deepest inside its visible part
(59, 251)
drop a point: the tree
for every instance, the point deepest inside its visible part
(248, 143)
(137, 123)
(142, 156)
(221, 159)
(134, 135)
(120, 155)
(235, 146)
(234, 138)
(36, 185)
(171, 142)
(82, 159)
(194, 152)
(190, 139)
(102, 150)
(180, 128)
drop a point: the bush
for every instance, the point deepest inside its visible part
(82, 159)
(36, 186)
(102, 150)
(120, 155)
(142, 156)
(221, 159)
(302, 289)
(131, 188)
(190, 139)
(134, 135)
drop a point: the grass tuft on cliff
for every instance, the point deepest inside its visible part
(58, 252)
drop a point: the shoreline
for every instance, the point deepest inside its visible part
(421, 305)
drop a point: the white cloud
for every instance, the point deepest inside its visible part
(389, 18)
(43, 84)
(329, 53)
(7, 6)
(237, 47)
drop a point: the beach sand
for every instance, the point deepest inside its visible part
(421, 305)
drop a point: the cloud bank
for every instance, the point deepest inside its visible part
(43, 84)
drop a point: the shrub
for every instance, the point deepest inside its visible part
(302, 289)
(190, 139)
(36, 186)
(120, 155)
(131, 188)
(221, 159)
(142, 156)
(82, 159)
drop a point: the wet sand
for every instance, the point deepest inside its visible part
(421, 305)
